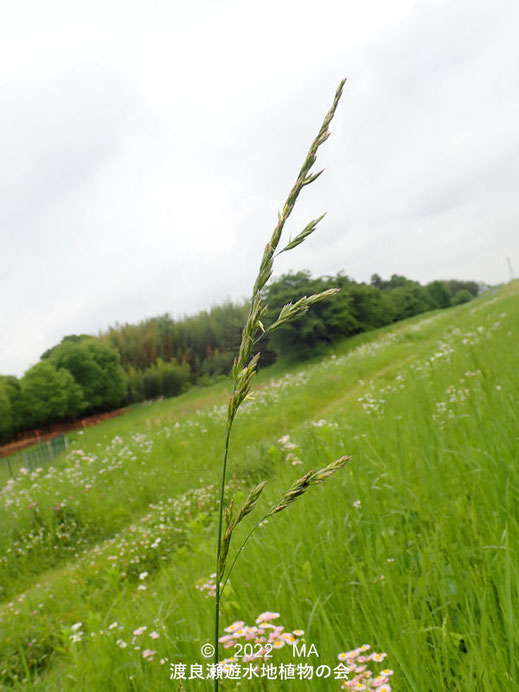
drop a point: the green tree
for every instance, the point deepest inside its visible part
(6, 415)
(462, 296)
(396, 281)
(377, 282)
(111, 391)
(70, 338)
(47, 395)
(455, 286)
(135, 391)
(370, 307)
(11, 387)
(439, 294)
(217, 363)
(96, 368)
(174, 377)
(407, 300)
(151, 383)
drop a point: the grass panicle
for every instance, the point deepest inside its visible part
(303, 179)
(245, 364)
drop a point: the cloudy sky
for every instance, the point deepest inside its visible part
(146, 147)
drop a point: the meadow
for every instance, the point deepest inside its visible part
(106, 555)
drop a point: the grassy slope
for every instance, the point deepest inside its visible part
(424, 569)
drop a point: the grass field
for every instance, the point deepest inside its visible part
(411, 549)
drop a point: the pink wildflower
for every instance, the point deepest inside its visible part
(266, 617)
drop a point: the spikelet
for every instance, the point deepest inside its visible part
(302, 484)
(232, 522)
(293, 310)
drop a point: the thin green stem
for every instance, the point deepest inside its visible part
(242, 546)
(220, 524)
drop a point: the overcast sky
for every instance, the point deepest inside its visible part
(146, 147)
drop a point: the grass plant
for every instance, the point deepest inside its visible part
(245, 367)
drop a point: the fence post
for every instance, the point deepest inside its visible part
(9, 465)
(27, 461)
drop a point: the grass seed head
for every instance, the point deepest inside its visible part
(302, 484)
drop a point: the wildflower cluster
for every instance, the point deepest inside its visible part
(191, 426)
(361, 677)
(137, 639)
(147, 654)
(365, 350)
(454, 339)
(290, 450)
(268, 394)
(322, 423)
(132, 555)
(376, 396)
(456, 395)
(77, 633)
(371, 404)
(54, 513)
(274, 392)
(81, 472)
(55, 509)
(258, 640)
(208, 586)
(140, 548)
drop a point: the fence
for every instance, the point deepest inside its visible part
(36, 456)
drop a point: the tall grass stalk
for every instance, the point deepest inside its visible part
(246, 363)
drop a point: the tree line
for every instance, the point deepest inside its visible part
(161, 356)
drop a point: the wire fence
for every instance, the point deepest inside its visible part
(37, 456)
